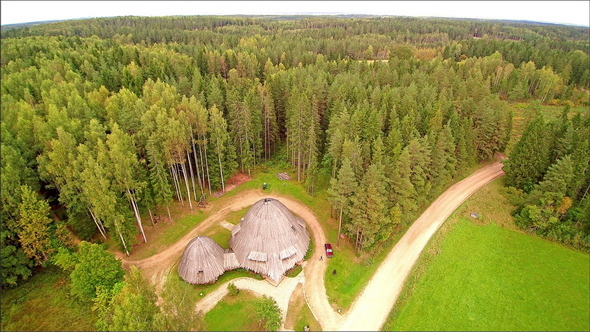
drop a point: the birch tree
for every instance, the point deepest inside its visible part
(123, 165)
(219, 139)
(34, 223)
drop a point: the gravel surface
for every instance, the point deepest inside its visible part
(372, 307)
(281, 294)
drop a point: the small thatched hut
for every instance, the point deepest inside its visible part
(270, 239)
(202, 261)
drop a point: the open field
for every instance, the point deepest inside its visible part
(234, 313)
(44, 303)
(477, 275)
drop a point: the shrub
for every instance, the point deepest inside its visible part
(232, 289)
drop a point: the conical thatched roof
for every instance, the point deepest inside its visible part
(270, 239)
(202, 261)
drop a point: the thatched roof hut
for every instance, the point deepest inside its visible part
(270, 239)
(202, 261)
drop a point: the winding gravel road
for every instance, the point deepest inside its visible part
(371, 308)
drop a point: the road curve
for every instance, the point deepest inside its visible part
(372, 307)
(157, 267)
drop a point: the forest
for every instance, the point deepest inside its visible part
(104, 120)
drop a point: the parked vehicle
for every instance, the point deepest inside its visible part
(329, 252)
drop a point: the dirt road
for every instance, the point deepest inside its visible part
(157, 267)
(372, 307)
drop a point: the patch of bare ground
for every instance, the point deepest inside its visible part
(298, 311)
(296, 303)
(232, 183)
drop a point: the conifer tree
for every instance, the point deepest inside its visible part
(402, 191)
(219, 139)
(370, 221)
(530, 158)
(341, 191)
(555, 184)
(443, 159)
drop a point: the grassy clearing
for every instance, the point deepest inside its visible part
(165, 233)
(219, 234)
(197, 292)
(293, 272)
(521, 116)
(234, 313)
(44, 303)
(477, 275)
(236, 216)
(299, 314)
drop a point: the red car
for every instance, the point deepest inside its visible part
(329, 252)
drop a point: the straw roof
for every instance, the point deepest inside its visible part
(229, 260)
(270, 239)
(202, 261)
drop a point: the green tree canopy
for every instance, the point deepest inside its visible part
(95, 268)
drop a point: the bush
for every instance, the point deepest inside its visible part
(232, 289)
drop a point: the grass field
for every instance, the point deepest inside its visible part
(44, 303)
(477, 275)
(234, 313)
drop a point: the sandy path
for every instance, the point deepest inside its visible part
(157, 267)
(372, 307)
(281, 294)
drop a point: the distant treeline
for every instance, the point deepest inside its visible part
(113, 118)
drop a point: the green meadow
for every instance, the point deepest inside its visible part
(477, 275)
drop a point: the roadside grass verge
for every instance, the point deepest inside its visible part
(299, 314)
(235, 217)
(43, 303)
(477, 275)
(234, 313)
(353, 271)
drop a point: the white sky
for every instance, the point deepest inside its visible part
(562, 12)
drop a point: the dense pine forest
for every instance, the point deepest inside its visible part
(110, 119)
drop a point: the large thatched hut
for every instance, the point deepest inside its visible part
(270, 239)
(202, 261)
